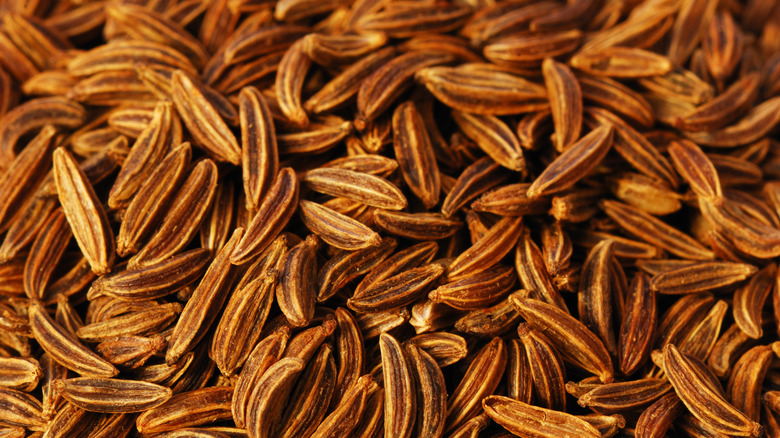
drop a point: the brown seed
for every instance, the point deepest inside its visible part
(65, 348)
(296, 293)
(310, 397)
(20, 409)
(621, 62)
(749, 301)
(480, 176)
(574, 341)
(533, 275)
(154, 281)
(486, 252)
(199, 312)
(595, 293)
(528, 51)
(472, 90)
(336, 229)
(147, 206)
(574, 163)
(349, 265)
(276, 209)
(140, 322)
(85, 214)
(203, 121)
(345, 417)
(415, 154)
(20, 373)
(700, 277)
(245, 313)
(744, 386)
(396, 291)
(548, 375)
(270, 395)
(655, 232)
(656, 419)
(289, 82)
(267, 352)
(183, 217)
(380, 88)
(193, 408)
(259, 152)
(692, 163)
(624, 396)
(565, 102)
(481, 379)
(705, 404)
(526, 420)
(637, 331)
(149, 148)
(494, 137)
(418, 226)
(476, 291)
(112, 395)
(45, 254)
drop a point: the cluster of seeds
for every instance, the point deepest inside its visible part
(389, 218)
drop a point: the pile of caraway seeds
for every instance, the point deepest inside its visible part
(389, 218)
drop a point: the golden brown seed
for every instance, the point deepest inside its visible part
(85, 213)
(704, 403)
